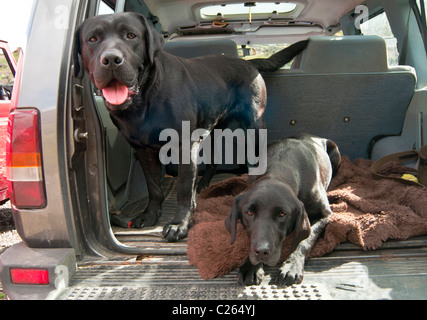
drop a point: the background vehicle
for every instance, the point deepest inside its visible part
(82, 183)
(8, 69)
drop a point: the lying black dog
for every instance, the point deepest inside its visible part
(147, 90)
(290, 196)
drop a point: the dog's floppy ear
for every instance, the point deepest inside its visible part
(302, 227)
(232, 218)
(154, 41)
(77, 50)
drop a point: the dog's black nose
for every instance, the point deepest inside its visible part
(263, 250)
(112, 58)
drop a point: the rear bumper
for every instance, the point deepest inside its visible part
(60, 264)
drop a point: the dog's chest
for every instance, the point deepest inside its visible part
(139, 133)
(144, 131)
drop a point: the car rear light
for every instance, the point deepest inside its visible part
(29, 276)
(24, 160)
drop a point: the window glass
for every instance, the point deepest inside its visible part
(380, 26)
(6, 78)
(6, 75)
(104, 8)
(237, 9)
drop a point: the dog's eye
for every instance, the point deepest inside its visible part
(93, 39)
(250, 213)
(131, 36)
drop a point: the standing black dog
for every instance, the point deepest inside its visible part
(147, 90)
(288, 198)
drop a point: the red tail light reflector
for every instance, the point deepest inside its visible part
(24, 161)
(29, 276)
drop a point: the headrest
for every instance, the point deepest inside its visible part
(345, 54)
(191, 49)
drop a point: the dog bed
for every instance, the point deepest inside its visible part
(366, 212)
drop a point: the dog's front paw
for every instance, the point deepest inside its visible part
(146, 219)
(250, 274)
(292, 270)
(174, 232)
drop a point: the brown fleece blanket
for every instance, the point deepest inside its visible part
(366, 212)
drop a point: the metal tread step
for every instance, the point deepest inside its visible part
(194, 292)
(170, 277)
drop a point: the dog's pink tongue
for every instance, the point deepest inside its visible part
(116, 93)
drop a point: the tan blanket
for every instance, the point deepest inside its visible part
(367, 212)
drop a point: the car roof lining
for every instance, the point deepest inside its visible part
(176, 14)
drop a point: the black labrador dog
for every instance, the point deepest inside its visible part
(289, 198)
(147, 90)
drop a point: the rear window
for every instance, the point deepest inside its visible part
(242, 10)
